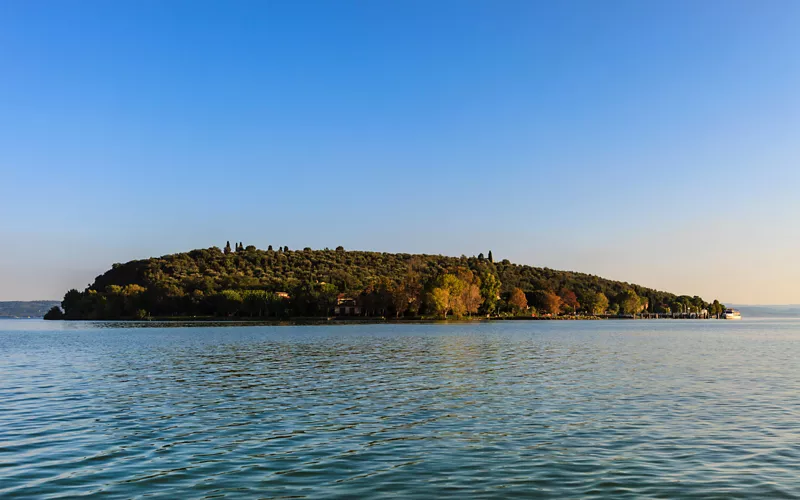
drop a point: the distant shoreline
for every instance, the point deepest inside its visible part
(366, 320)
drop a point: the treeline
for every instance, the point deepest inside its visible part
(247, 282)
(25, 309)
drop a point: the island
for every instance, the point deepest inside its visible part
(244, 282)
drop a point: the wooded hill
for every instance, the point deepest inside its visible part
(25, 309)
(246, 281)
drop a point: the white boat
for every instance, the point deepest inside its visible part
(732, 314)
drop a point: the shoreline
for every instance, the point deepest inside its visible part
(344, 320)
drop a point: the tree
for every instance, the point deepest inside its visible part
(490, 292)
(472, 298)
(455, 288)
(491, 259)
(412, 287)
(518, 301)
(716, 309)
(400, 300)
(269, 248)
(340, 248)
(481, 257)
(440, 298)
(54, 313)
(599, 303)
(629, 302)
(552, 303)
(227, 247)
(255, 302)
(470, 290)
(228, 302)
(569, 299)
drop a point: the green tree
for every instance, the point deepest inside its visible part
(228, 302)
(600, 303)
(629, 302)
(716, 309)
(54, 313)
(491, 259)
(490, 292)
(255, 303)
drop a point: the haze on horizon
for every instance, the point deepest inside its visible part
(650, 142)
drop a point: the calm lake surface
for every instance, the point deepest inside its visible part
(609, 409)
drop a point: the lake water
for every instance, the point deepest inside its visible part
(610, 409)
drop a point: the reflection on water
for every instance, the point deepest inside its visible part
(514, 409)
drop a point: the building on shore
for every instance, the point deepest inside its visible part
(346, 306)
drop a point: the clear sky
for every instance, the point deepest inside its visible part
(652, 142)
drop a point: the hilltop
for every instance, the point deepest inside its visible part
(246, 281)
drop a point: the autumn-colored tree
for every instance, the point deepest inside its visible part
(470, 293)
(440, 299)
(412, 283)
(569, 300)
(552, 303)
(518, 301)
(472, 298)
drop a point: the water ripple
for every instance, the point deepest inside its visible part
(507, 410)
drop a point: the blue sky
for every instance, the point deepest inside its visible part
(653, 142)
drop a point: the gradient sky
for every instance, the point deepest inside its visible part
(651, 142)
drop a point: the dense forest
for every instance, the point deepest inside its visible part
(248, 282)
